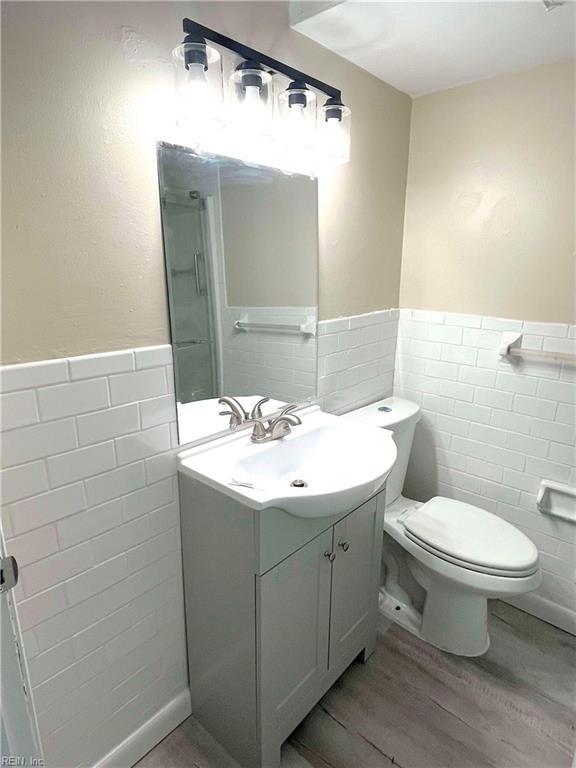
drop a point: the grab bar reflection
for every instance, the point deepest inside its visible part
(306, 329)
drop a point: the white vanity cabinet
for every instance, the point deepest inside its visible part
(277, 607)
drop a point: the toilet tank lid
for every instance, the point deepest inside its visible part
(386, 413)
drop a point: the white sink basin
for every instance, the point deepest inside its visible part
(341, 463)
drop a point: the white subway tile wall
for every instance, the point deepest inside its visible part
(356, 359)
(277, 364)
(90, 509)
(493, 428)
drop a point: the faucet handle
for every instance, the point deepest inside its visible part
(235, 406)
(280, 427)
(235, 418)
(289, 418)
(288, 408)
(286, 411)
(256, 412)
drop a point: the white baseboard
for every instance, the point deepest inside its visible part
(132, 749)
(553, 613)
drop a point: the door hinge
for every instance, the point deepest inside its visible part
(8, 573)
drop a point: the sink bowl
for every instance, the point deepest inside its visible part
(326, 466)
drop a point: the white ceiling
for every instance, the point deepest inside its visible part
(422, 47)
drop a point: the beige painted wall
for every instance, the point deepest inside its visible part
(82, 84)
(489, 225)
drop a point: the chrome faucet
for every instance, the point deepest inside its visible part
(238, 414)
(278, 427)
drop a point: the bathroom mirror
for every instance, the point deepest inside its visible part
(241, 254)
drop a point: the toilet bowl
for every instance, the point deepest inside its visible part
(443, 559)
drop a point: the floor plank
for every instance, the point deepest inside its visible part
(414, 706)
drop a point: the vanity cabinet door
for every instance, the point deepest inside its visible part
(294, 617)
(353, 577)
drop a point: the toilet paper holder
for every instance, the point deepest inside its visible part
(557, 500)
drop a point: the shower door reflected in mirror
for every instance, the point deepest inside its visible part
(241, 251)
(192, 314)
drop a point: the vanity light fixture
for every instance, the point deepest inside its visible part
(256, 104)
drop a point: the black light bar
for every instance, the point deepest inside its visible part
(251, 54)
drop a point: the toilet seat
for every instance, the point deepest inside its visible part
(509, 573)
(471, 538)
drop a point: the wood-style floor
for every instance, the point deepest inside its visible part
(413, 706)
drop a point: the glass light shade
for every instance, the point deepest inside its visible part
(297, 106)
(334, 132)
(198, 73)
(252, 99)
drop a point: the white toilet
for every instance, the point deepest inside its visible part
(443, 559)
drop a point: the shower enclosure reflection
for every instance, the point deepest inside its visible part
(192, 310)
(241, 252)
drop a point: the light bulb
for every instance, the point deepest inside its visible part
(299, 131)
(253, 109)
(298, 123)
(252, 102)
(335, 139)
(296, 115)
(334, 131)
(199, 94)
(198, 74)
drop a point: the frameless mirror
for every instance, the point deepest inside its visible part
(241, 253)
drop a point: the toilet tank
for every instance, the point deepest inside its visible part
(400, 417)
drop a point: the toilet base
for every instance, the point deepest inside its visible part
(440, 612)
(439, 627)
(456, 621)
(399, 612)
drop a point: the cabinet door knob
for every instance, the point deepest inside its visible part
(330, 555)
(344, 545)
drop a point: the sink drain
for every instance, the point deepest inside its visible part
(299, 484)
